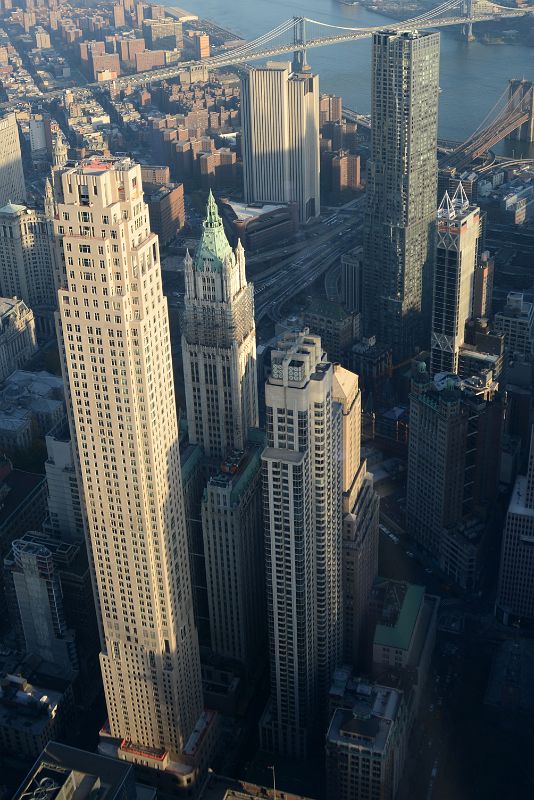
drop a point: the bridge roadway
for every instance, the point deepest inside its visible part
(242, 56)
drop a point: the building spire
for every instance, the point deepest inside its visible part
(446, 208)
(213, 219)
(49, 200)
(460, 200)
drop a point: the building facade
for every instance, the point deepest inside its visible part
(458, 233)
(17, 335)
(401, 190)
(219, 343)
(302, 519)
(114, 334)
(233, 547)
(360, 516)
(12, 186)
(35, 599)
(515, 592)
(280, 129)
(516, 323)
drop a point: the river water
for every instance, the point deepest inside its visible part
(472, 75)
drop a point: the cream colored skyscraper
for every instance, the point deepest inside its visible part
(280, 128)
(12, 186)
(360, 515)
(113, 325)
(302, 518)
(219, 343)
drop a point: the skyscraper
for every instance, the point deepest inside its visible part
(360, 515)
(280, 129)
(233, 546)
(219, 343)
(458, 233)
(453, 473)
(114, 331)
(515, 592)
(26, 259)
(302, 518)
(34, 589)
(401, 190)
(12, 186)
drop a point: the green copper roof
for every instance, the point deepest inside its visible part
(400, 635)
(213, 247)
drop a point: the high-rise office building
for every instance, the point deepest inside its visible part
(219, 343)
(302, 519)
(12, 186)
(65, 518)
(280, 128)
(233, 547)
(401, 190)
(26, 265)
(458, 232)
(36, 604)
(360, 515)
(114, 334)
(453, 473)
(515, 592)
(516, 323)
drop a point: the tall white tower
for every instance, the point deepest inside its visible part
(114, 330)
(302, 508)
(219, 343)
(280, 113)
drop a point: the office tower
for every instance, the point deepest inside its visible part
(453, 474)
(360, 515)
(515, 592)
(458, 232)
(233, 546)
(280, 129)
(36, 604)
(401, 190)
(12, 186)
(65, 518)
(302, 519)
(330, 108)
(219, 343)
(114, 333)
(26, 262)
(516, 322)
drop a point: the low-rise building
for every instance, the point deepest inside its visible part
(337, 327)
(259, 225)
(166, 209)
(366, 739)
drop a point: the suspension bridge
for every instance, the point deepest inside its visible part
(299, 34)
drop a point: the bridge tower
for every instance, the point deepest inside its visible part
(520, 93)
(468, 10)
(299, 39)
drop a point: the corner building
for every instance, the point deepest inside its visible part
(114, 330)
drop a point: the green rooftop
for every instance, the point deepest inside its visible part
(213, 247)
(399, 636)
(326, 308)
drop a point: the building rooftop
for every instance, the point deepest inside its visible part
(63, 772)
(244, 211)
(237, 471)
(326, 308)
(12, 208)
(402, 606)
(369, 724)
(17, 488)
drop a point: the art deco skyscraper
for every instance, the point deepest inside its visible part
(219, 343)
(401, 190)
(302, 518)
(12, 186)
(114, 331)
(454, 276)
(280, 128)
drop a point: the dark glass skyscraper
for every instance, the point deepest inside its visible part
(401, 190)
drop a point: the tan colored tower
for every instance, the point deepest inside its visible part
(114, 328)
